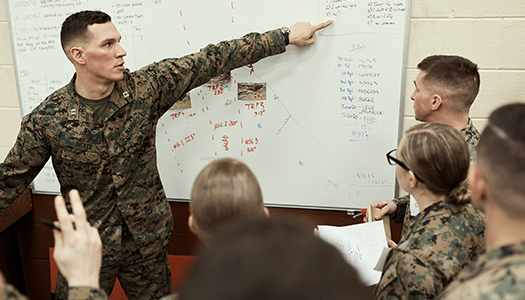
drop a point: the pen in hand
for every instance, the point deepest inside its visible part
(50, 224)
(363, 210)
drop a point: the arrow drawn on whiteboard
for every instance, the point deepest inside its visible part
(284, 123)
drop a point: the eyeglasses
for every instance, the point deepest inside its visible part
(393, 161)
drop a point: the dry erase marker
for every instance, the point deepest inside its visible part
(50, 224)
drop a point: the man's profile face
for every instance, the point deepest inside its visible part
(422, 97)
(103, 55)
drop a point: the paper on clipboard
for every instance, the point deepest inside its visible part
(360, 244)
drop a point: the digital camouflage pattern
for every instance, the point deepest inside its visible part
(403, 214)
(11, 293)
(440, 241)
(75, 293)
(112, 160)
(86, 293)
(499, 274)
(471, 135)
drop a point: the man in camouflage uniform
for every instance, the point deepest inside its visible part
(100, 132)
(445, 88)
(496, 182)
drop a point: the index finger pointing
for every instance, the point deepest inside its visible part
(323, 25)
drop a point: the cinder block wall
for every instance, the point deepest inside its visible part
(489, 32)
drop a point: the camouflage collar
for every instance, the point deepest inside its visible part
(120, 96)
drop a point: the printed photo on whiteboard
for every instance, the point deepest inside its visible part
(251, 91)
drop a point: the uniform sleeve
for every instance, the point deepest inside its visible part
(24, 161)
(406, 277)
(402, 204)
(86, 293)
(170, 79)
(11, 293)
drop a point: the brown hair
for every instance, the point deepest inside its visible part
(439, 155)
(75, 27)
(271, 258)
(501, 157)
(225, 190)
(458, 76)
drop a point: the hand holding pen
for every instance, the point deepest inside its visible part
(387, 208)
(363, 211)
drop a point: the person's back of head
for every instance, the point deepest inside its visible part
(439, 155)
(225, 190)
(501, 158)
(75, 28)
(271, 258)
(454, 77)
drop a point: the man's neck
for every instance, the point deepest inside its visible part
(458, 122)
(93, 90)
(502, 230)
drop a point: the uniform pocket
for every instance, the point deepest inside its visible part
(136, 132)
(78, 168)
(80, 155)
(385, 284)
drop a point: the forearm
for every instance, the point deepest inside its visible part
(177, 76)
(214, 60)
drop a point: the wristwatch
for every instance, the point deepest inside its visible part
(286, 34)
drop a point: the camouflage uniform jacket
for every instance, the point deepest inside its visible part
(11, 293)
(403, 214)
(86, 293)
(112, 160)
(75, 293)
(441, 240)
(499, 274)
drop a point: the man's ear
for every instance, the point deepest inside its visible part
(478, 187)
(437, 101)
(77, 54)
(191, 225)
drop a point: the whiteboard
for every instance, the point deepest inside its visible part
(313, 124)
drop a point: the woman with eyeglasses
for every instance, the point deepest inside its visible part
(432, 162)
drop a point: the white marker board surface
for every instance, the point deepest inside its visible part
(315, 122)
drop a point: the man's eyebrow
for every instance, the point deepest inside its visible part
(109, 40)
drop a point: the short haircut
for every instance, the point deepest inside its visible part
(456, 76)
(439, 155)
(501, 157)
(271, 258)
(75, 27)
(225, 190)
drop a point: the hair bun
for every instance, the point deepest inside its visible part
(460, 194)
